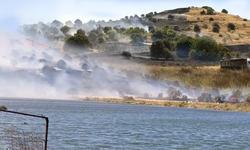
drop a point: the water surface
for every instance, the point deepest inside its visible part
(89, 125)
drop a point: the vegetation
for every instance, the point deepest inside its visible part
(231, 26)
(202, 76)
(126, 54)
(197, 28)
(3, 108)
(211, 19)
(210, 11)
(242, 107)
(224, 11)
(207, 49)
(183, 46)
(77, 42)
(159, 51)
(65, 29)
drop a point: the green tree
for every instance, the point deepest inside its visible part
(207, 49)
(158, 50)
(183, 46)
(65, 29)
(203, 12)
(224, 11)
(167, 44)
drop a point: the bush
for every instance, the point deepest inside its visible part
(210, 11)
(244, 19)
(224, 11)
(247, 100)
(3, 108)
(207, 49)
(101, 40)
(170, 16)
(216, 29)
(93, 36)
(231, 26)
(197, 28)
(113, 35)
(216, 25)
(126, 54)
(77, 41)
(220, 35)
(203, 12)
(211, 19)
(137, 38)
(207, 7)
(158, 50)
(204, 26)
(154, 20)
(183, 46)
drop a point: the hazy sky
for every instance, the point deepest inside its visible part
(13, 12)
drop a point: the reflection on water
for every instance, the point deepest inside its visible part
(89, 125)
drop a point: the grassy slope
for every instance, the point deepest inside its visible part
(240, 36)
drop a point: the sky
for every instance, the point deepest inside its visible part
(15, 12)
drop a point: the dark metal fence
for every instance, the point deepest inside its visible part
(14, 136)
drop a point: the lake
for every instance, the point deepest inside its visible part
(78, 125)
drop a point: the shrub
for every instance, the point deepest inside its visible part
(3, 108)
(244, 19)
(170, 16)
(220, 35)
(101, 40)
(204, 26)
(158, 50)
(207, 49)
(137, 38)
(216, 29)
(203, 12)
(197, 28)
(154, 20)
(77, 41)
(247, 100)
(205, 97)
(126, 54)
(231, 26)
(224, 11)
(183, 46)
(211, 19)
(198, 18)
(210, 11)
(216, 25)
(93, 36)
(206, 7)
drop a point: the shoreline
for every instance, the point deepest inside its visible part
(238, 107)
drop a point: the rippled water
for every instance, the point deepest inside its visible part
(87, 125)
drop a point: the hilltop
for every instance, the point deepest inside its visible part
(187, 18)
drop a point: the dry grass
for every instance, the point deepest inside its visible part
(242, 107)
(202, 76)
(223, 19)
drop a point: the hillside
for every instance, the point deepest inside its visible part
(240, 36)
